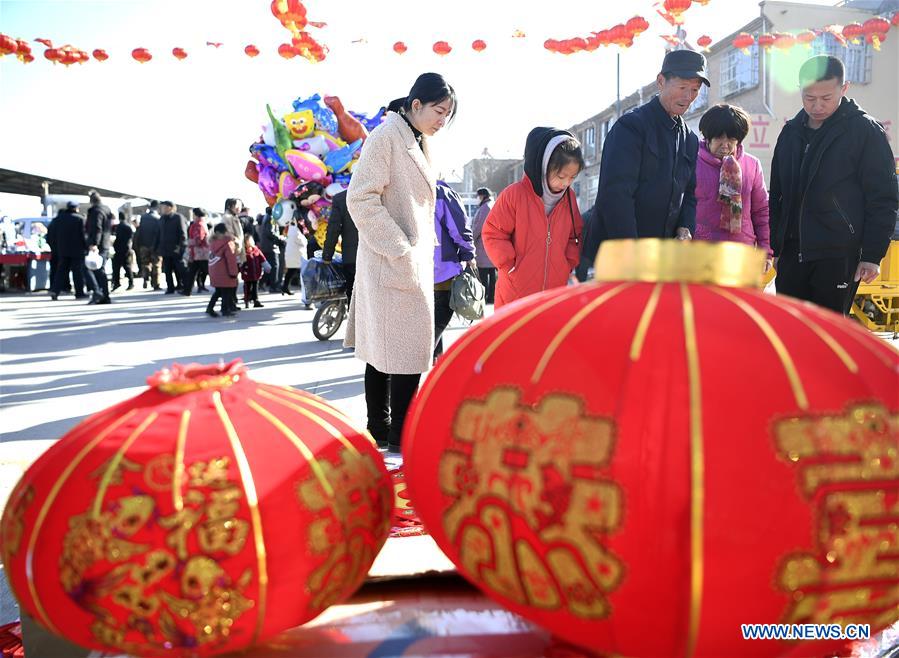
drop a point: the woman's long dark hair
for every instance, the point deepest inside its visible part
(428, 88)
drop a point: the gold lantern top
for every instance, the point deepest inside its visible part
(654, 260)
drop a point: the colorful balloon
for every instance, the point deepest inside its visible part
(338, 161)
(349, 127)
(306, 166)
(299, 124)
(323, 115)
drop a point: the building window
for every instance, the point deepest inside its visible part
(702, 100)
(856, 57)
(590, 136)
(739, 71)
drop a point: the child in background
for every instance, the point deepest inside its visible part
(222, 270)
(252, 270)
(533, 232)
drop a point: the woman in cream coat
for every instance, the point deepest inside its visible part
(391, 199)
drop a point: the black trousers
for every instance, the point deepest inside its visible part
(487, 275)
(387, 398)
(196, 272)
(174, 266)
(228, 297)
(443, 314)
(120, 262)
(64, 265)
(250, 291)
(96, 279)
(289, 276)
(828, 282)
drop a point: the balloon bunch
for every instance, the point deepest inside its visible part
(292, 15)
(621, 35)
(306, 156)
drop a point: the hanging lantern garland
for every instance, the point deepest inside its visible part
(621, 35)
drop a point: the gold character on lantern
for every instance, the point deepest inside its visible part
(14, 530)
(525, 476)
(223, 532)
(848, 466)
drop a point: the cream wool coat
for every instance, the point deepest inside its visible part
(392, 198)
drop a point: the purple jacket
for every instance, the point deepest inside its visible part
(755, 230)
(453, 229)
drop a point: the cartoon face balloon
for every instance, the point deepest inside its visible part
(284, 211)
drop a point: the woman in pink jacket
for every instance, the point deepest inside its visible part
(533, 232)
(731, 199)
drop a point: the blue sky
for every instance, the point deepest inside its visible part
(180, 130)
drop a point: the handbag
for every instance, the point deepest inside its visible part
(467, 296)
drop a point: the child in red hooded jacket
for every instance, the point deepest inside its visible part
(252, 270)
(222, 271)
(533, 232)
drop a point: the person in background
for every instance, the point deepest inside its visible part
(147, 239)
(223, 269)
(173, 247)
(252, 270)
(833, 192)
(71, 245)
(270, 243)
(486, 268)
(98, 231)
(231, 220)
(197, 252)
(124, 234)
(293, 255)
(533, 232)
(731, 199)
(342, 227)
(455, 250)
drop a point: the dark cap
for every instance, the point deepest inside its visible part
(72, 205)
(685, 64)
(167, 203)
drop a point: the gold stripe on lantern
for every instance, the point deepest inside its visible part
(115, 462)
(645, 321)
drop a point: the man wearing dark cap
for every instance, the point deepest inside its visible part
(648, 173)
(173, 248)
(147, 242)
(70, 246)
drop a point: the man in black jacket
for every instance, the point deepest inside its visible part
(98, 231)
(124, 233)
(173, 247)
(341, 225)
(833, 196)
(270, 244)
(69, 248)
(647, 177)
(146, 244)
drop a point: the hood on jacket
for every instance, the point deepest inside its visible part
(848, 108)
(218, 245)
(534, 152)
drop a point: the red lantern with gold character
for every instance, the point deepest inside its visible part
(666, 446)
(202, 516)
(142, 55)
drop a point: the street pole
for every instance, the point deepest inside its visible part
(618, 86)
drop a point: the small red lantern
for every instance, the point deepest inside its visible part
(69, 56)
(744, 42)
(399, 48)
(784, 41)
(637, 25)
(590, 485)
(27, 58)
(179, 53)
(442, 48)
(876, 30)
(8, 45)
(806, 38)
(52, 54)
(854, 32)
(287, 51)
(767, 40)
(142, 55)
(22, 49)
(895, 19)
(479, 45)
(552, 45)
(604, 37)
(251, 50)
(100, 55)
(200, 517)
(677, 8)
(578, 44)
(704, 41)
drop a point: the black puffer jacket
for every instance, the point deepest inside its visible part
(849, 201)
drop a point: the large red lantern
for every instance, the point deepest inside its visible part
(854, 32)
(876, 30)
(479, 45)
(179, 53)
(677, 8)
(142, 55)
(766, 40)
(666, 445)
(442, 48)
(895, 20)
(251, 50)
(100, 55)
(202, 516)
(399, 48)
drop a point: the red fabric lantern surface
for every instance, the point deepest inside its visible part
(876, 30)
(100, 55)
(251, 50)
(766, 40)
(399, 48)
(142, 55)
(287, 51)
(744, 42)
(8, 45)
(652, 452)
(479, 45)
(677, 8)
(784, 41)
(806, 37)
(637, 25)
(206, 514)
(442, 48)
(179, 53)
(704, 41)
(52, 54)
(854, 32)
(620, 35)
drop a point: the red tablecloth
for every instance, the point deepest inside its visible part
(21, 259)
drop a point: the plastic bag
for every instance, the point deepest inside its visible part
(323, 281)
(467, 296)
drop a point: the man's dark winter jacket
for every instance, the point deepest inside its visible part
(98, 228)
(842, 194)
(646, 188)
(68, 233)
(341, 225)
(149, 231)
(174, 235)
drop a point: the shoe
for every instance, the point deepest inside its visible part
(184, 293)
(211, 313)
(146, 283)
(246, 303)
(130, 286)
(202, 289)
(54, 296)
(286, 291)
(116, 286)
(92, 301)
(308, 307)
(104, 300)
(225, 314)
(157, 287)
(81, 296)
(394, 447)
(258, 304)
(169, 292)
